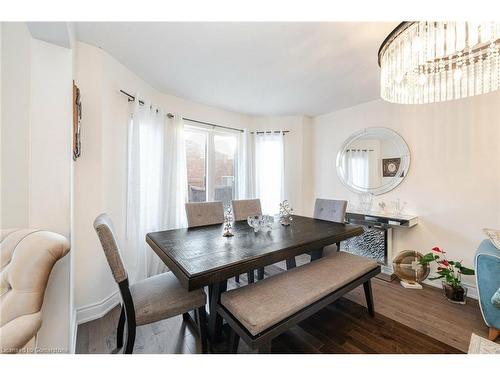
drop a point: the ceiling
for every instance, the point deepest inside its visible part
(252, 68)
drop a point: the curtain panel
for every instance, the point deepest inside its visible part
(269, 170)
(245, 188)
(156, 186)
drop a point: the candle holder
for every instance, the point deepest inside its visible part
(228, 222)
(285, 213)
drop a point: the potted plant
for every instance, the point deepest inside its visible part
(451, 272)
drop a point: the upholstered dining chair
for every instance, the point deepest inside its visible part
(242, 209)
(150, 300)
(204, 213)
(330, 210)
(27, 257)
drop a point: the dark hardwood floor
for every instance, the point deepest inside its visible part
(345, 327)
(407, 321)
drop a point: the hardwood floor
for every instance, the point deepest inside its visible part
(407, 321)
(345, 327)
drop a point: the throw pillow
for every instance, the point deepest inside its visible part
(494, 235)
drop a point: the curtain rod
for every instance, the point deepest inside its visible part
(131, 98)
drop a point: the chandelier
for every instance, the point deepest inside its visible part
(428, 62)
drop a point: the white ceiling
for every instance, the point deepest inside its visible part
(59, 33)
(252, 68)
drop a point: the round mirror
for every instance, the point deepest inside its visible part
(373, 160)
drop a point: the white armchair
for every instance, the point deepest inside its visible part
(27, 257)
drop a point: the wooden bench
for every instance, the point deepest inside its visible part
(259, 312)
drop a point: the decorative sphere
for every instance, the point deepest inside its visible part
(407, 267)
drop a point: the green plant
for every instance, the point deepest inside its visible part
(451, 271)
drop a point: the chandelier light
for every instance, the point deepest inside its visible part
(428, 62)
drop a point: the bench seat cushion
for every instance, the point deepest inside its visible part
(261, 305)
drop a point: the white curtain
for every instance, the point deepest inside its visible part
(156, 175)
(245, 188)
(357, 167)
(269, 170)
(175, 194)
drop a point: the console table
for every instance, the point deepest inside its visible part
(376, 241)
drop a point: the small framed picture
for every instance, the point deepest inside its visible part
(390, 167)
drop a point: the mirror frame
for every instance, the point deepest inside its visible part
(404, 166)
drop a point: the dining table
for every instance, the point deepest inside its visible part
(202, 257)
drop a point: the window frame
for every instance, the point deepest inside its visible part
(210, 132)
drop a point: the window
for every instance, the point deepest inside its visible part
(196, 164)
(211, 164)
(224, 167)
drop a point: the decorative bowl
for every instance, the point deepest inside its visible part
(261, 222)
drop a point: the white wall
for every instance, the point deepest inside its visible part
(16, 72)
(453, 184)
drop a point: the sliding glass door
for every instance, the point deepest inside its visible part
(211, 164)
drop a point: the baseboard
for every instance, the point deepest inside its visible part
(471, 293)
(97, 310)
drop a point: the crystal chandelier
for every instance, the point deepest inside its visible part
(427, 62)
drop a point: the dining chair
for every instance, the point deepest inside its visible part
(150, 300)
(204, 213)
(330, 210)
(242, 209)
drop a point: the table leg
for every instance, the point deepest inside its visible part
(215, 320)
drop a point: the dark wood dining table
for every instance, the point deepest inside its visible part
(201, 256)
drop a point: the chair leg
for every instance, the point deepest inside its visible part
(237, 278)
(260, 273)
(128, 305)
(196, 317)
(121, 326)
(290, 263)
(493, 334)
(234, 340)
(202, 326)
(338, 246)
(265, 348)
(129, 343)
(251, 277)
(369, 297)
(186, 317)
